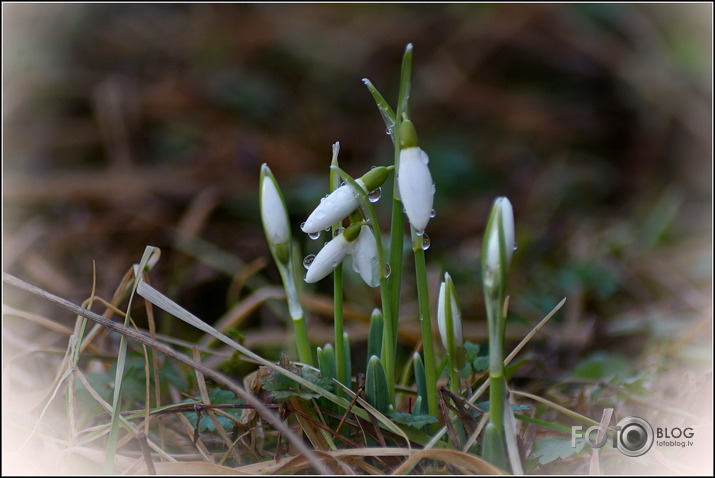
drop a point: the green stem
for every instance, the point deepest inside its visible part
(454, 382)
(497, 384)
(305, 354)
(388, 346)
(338, 288)
(338, 323)
(396, 258)
(426, 324)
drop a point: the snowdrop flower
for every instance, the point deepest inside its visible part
(447, 292)
(414, 179)
(364, 252)
(341, 202)
(331, 254)
(274, 215)
(499, 243)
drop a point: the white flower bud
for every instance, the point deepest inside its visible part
(416, 188)
(501, 219)
(447, 289)
(273, 210)
(365, 261)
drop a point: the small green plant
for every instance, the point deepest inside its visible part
(348, 213)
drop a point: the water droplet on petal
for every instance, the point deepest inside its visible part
(432, 214)
(338, 231)
(387, 270)
(314, 235)
(515, 246)
(308, 260)
(302, 225)
(425, 242)
(375, 194)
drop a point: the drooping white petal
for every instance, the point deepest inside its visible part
(334, 208)
(416, 187)
(273, 212)
(364, 252)
(327, 259)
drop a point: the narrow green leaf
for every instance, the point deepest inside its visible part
(374, 338)
(421, 381)
(376, 385)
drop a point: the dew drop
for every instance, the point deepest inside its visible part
(327, 229)
(308, 260)
(314, 235)
(302, 225)
(425, 242)
(338, 231)
(375, 194)
(432, 213)
(387, 270)
(515, 246)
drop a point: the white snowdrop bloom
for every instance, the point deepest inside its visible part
(364, 254)
(273, 210)
(341, 202)
(414, 179)
(447, 289)
(501, 219)
(331, 255)
(416, 187)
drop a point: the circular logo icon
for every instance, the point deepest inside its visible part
(635, 436)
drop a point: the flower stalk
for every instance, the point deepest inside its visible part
(342, 375)
(497, 251)
(274, 216)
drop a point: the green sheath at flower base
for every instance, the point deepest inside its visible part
(408, 135)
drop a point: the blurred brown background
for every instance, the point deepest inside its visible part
(128, 125)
